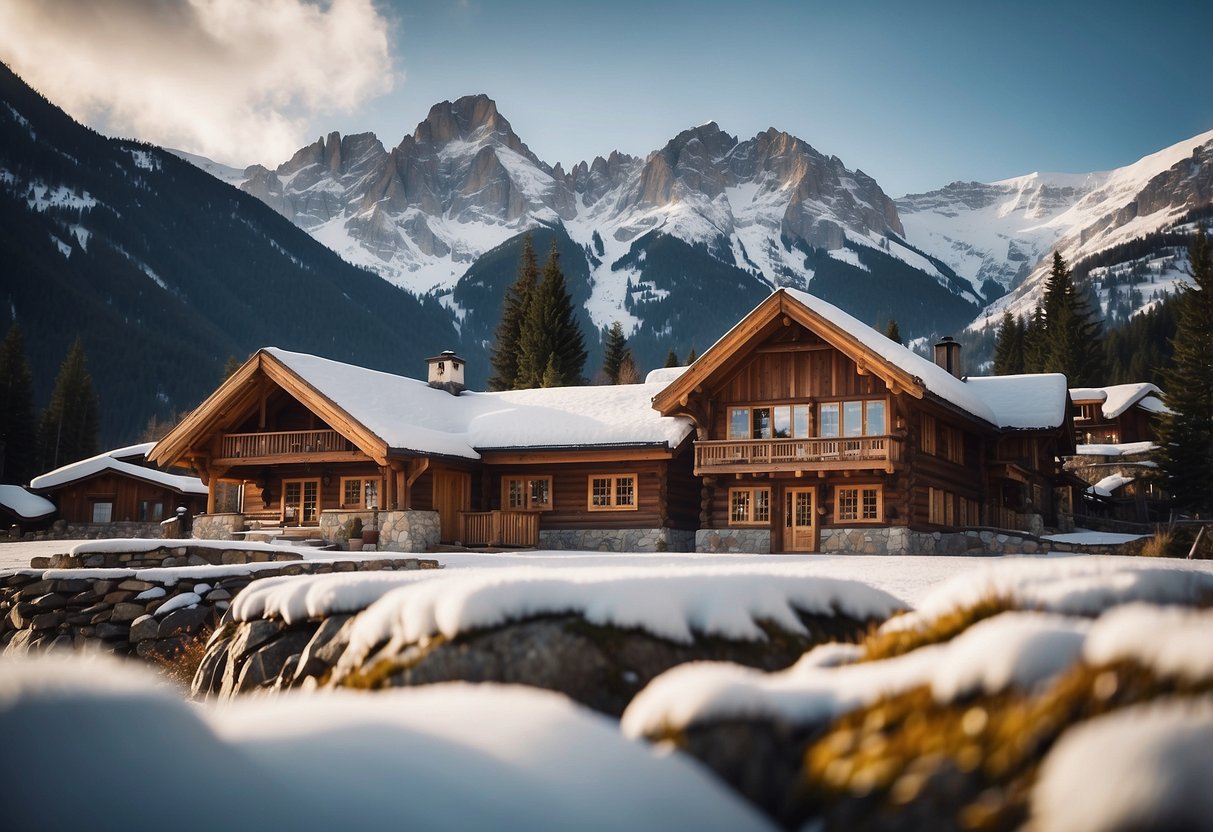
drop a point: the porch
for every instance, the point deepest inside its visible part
(744, 456)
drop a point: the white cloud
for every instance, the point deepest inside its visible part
(236, 80)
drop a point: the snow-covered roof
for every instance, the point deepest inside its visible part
(1018, 402)
(24, 504)
(113, 461)
(1110, 483)
(408, 414)
(1124, 449)
(1120, 397)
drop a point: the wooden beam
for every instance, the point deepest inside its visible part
(554, 457)
(417, 467)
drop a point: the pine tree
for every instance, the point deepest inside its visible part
(1008, 347)
(1035, 346)
(552, 348)
(893, 332)
(1072, 335)
(615, 349)
(691, 357)
(1185, 437)
(18, 432)
(514, 308)
(70, 422)
(671, 359)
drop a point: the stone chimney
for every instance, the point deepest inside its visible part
(947, 355)
(446, 372)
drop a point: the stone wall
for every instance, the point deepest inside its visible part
(163, 556)
(126, 615)
(63, 530)
(714, 541)
(618, 540)
(217, 526)
(399, 531)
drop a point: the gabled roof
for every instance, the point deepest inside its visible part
(397, 414)
(114, 461)
(1118, 398)
(23, 504)
(1011, 402)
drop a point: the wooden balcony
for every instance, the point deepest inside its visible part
(499, 528)
(856, 453)
(283, 446)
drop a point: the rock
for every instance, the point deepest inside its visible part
(126, 611)
(142, 628)
(184, 622)
(252, 635)
(267, 662)
(208, 679)
(111, 632)
(35, 590)
(325, 647)
(40, 562)
(134, 585)
(47, 620)
(220, 594)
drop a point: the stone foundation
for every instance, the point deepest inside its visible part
(740, 541)
(62, 530)
(163, 557)
(217, 526)
(618, 540)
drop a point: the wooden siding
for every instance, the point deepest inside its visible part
(570, 508)
(75, 501)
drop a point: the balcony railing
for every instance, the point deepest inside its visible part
(284, 443)
(500, 528)
(842, 453)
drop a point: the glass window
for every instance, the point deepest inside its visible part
(739, 423)
(829, 419)
(875, 425)
(800, 421)
(762, 423)
(352, 493)
(103, 512)
(739, 505)
(782, 421)
(541, 491)
(852, 418)
(151, 511)
(526, 493)
(749, 506)
(612, 493)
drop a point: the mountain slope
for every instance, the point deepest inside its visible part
(165, 271)
(747, 216)
(1003, 232)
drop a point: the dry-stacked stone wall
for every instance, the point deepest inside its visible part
(150, 617)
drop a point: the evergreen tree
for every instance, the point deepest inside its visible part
(893, 332)
(671, 359)
(615, 349)
(691, 357)
(1185, 439)
(71, 421)
(1008, 348)
(1035, 345)
(18, 432)
(552, 348)
(1072, 337)
(506, 350)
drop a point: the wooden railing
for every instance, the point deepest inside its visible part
(500, 528)
(794, 454)
(283, 443)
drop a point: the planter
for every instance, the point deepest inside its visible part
(355, 544)
(370, 537)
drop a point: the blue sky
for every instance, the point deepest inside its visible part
(916, 94)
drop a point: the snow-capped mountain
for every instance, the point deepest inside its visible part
(464, 183)
(1004, 232)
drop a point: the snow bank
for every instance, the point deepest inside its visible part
(1145, 767)
(1124, 449)
(138, 544)
(1014, 649)
(1086, 537)
(1070, 586)
(443, 757)
(671, 603)
(1171, 641)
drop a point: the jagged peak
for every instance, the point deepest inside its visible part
(459, 119)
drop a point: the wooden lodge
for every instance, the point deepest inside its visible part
(801, 420)
(1122, 414)
(119, 486)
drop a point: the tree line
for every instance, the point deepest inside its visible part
(68, 427)
(1172, 345)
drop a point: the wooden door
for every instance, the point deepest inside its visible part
(300, 502)
(452, 494)
(800, 520)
